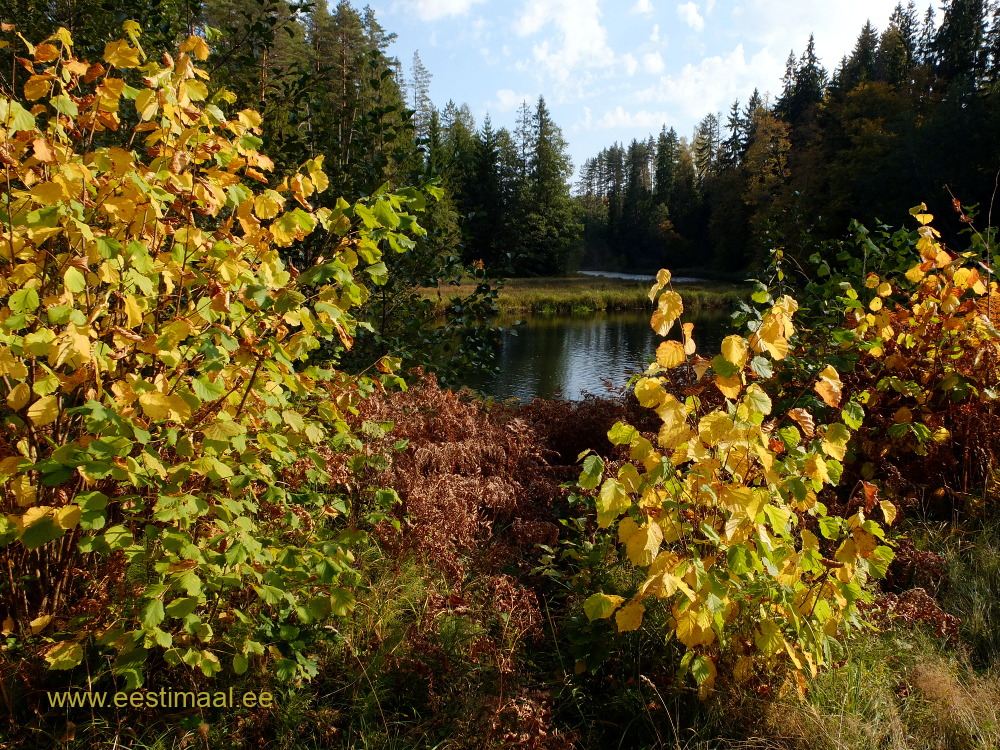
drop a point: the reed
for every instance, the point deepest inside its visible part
(583, 295)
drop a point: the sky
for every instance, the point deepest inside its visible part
(614, 70)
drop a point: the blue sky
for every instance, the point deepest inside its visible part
(613, 71)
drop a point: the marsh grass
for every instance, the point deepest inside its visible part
(583, 295)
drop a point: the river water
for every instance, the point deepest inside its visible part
(570, 356)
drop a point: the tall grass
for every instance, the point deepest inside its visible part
(582, 295)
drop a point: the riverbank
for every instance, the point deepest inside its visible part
(583, 295)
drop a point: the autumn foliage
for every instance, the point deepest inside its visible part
(154, 354)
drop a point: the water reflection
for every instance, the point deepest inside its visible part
(577, 355)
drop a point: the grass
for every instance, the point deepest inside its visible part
(583, 295)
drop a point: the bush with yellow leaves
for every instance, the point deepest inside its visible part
(720, 510)
(154, 370)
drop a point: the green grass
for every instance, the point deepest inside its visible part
(583, 295)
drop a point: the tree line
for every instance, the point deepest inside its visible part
(911, 114)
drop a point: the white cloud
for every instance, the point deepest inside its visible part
(711, 85)
(689, 14)
(781, 25)
(619, 117)
(630, 63)
(654, 35)
(580, 39)
(643, 7)
(652, 62)
(432, 10)
(508, 100)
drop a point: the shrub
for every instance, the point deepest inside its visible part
(154, 354)
(720, 510)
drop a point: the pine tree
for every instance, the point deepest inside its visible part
(706, 147)
(958, 46)
(803, 84)
(861, 64)
(667, 156)
(420, 97)
(906, 22)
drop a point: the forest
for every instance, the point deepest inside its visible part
(245, 263)
(910, 114)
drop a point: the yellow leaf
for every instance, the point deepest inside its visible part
(18, 396)
(734, 349)
(158, 405)
(196, 45)
(268, 204)
(701, 366)
(671, 411)
(49, 193)
(804, 420)
(816, 469)
(39, 624)
(133, 312)
(250, 119)
(670, 354)
(829, 386)
(629, 617)
(770, 337)
(769, 639)
(669, 309)
(888, 510)
(649, 392)
(24, 491)
(146, 104)
(36, 87)
(689, 346)
(730, 386)
(121, 55)
(865, 542)
(715, 428)
(662, 279)
(694, 627)
(876, 304)
(641, 542)
(902, 415)
(68, 516)
(46, 53)
(884, 289)
(8, 626)
(44, 411)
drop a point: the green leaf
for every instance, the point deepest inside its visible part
(182, 606)
(240, 664)
(74, 280)
(16, 117)
(385, 215)
(342, 602)
(761, 367)
(42, 531)
(593, 469)
(757, 400)
(830, 527)
(622, 434)
(601, 606)
(223, 430)
(65, 655)
(853, 414)
(741, 559)
(285, 669)
(65, 106)
(23, 301)
(152, 614)
(723, 367)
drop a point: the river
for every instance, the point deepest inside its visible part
(570, 356)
